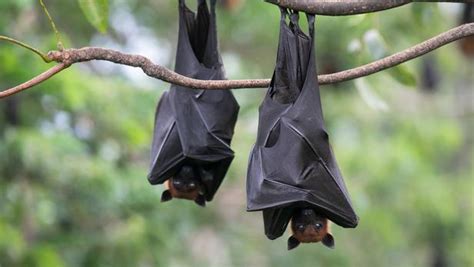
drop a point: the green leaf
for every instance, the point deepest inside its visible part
(97, 13)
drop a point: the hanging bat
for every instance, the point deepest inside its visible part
(309, 227)
(292, 168)
(191, 150)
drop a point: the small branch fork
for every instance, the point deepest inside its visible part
(69, 57)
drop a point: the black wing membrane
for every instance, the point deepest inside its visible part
(292, 164)
(195, 127)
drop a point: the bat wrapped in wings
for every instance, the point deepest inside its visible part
(292, 173)
(193, 128)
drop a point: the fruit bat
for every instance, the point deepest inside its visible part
(292, 165)
(193, 128)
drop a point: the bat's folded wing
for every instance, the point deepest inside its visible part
(195, 127)
(167, 154)
(289, 172)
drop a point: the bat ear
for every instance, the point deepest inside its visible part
(166, 196)
(328, 240)
(293, 243)
(200, 200)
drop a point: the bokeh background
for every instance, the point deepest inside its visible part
(74, 151)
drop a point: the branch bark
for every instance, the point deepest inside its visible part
(349, 7)
(73, 56)
(35, 81)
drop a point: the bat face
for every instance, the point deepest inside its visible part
(309, 227)
(185, 185)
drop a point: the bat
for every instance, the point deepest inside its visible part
(193, 130)
(292, 165)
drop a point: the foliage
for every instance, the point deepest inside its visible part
(97, 12)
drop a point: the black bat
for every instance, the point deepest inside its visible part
(292, 166)
(194, 128)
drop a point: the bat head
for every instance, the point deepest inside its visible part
(184, 185)
(307, 226)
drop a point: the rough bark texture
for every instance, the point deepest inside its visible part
(71, 56)
(348, 7)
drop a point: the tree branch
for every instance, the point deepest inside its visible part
(418, 50)
(35, 81)
(72, 56)
(351, 7)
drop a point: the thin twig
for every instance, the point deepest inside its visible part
(35, 81)
(32, 49)
(352, 7)
(418, 50)
(59, 43)
(72, 56)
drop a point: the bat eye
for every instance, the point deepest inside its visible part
(176, 182)
(300, 227)
(192, 185)
(318, 226)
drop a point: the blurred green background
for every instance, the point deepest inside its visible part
(74, 151)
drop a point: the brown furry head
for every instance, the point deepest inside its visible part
(184, 185)
(309, 227)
